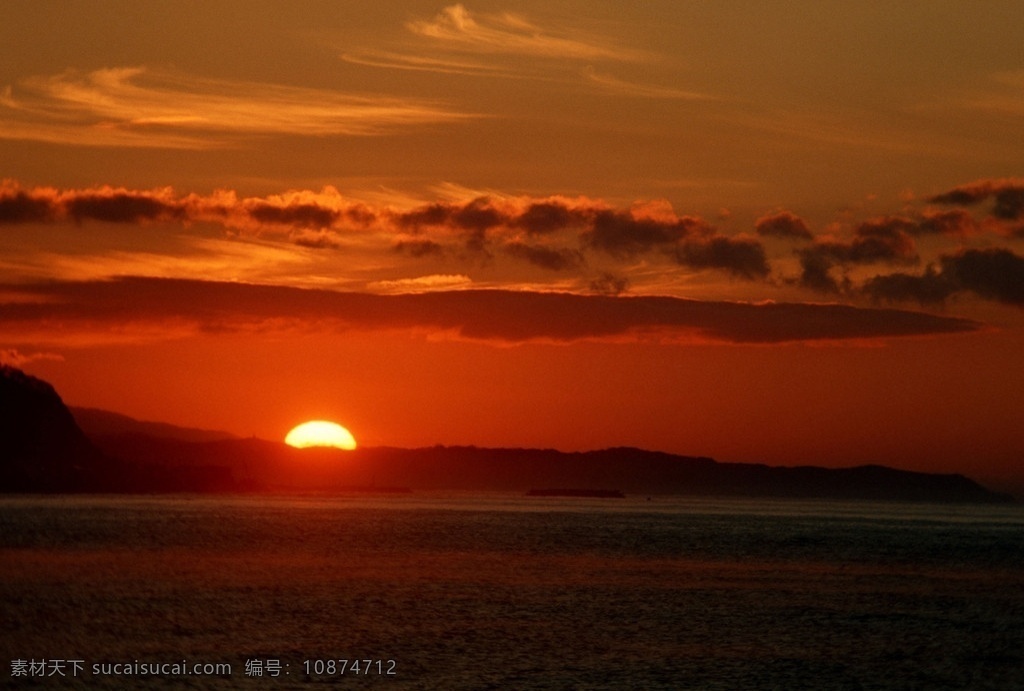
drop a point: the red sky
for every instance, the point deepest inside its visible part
(790, 235)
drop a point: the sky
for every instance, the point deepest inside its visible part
(789, 233)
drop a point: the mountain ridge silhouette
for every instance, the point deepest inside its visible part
(43, 449)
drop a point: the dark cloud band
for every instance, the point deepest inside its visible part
(490, 315)
(994, 274)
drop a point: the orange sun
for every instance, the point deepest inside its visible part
(320, 433)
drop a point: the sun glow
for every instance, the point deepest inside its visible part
(320, 433)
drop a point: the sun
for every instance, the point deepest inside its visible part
(320, 433)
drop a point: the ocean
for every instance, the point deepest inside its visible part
(495, 591)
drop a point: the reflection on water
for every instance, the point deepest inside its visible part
(501, 591)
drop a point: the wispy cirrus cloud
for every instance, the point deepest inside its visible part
(1002, 95)
(622, 87)
(456, 28)
(422, 63)
(510, 45)
(142, 107)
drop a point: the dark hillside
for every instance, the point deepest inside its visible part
(41, 447)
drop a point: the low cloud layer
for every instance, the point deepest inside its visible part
(1007, 196)
(552, 234)
(885, 240)
(61, 312)
(994, 274)
(784, 224)
(580, 238)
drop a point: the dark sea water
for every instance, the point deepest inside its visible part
(497, 591)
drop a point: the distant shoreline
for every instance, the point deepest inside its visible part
(595, 493)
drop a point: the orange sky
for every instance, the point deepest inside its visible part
(783, 234)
